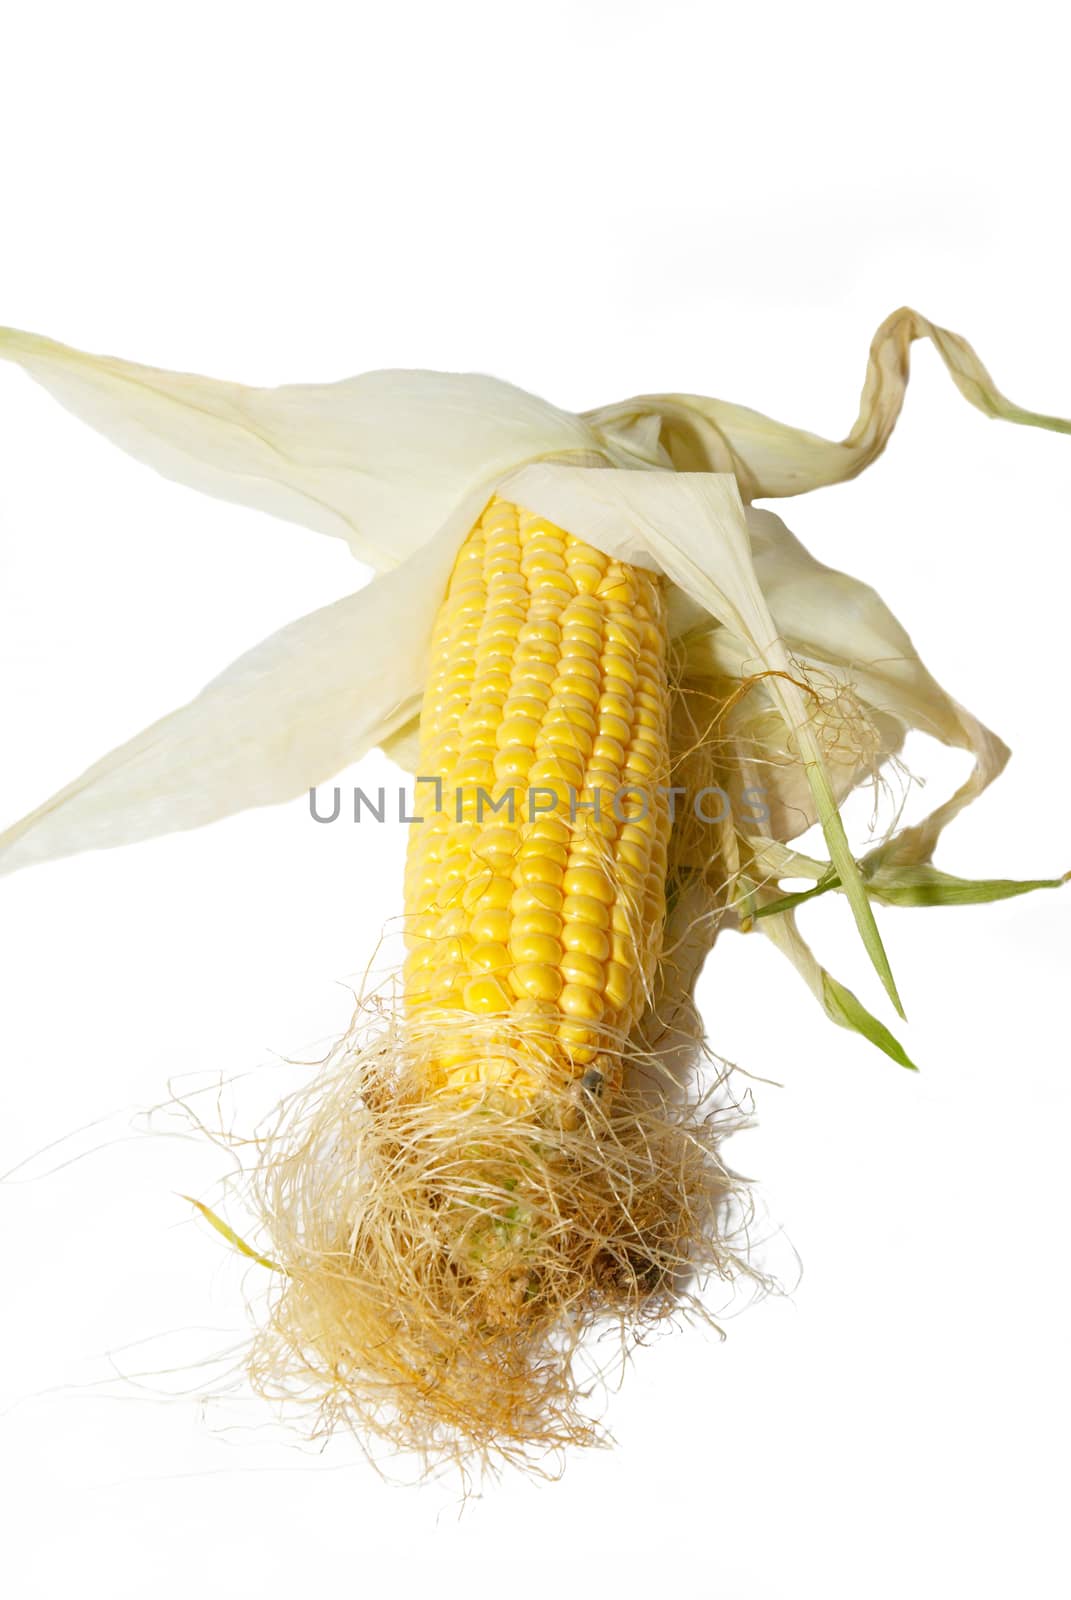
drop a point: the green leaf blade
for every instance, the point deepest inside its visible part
(925, 885)
(848, 1010)
(231, 1237)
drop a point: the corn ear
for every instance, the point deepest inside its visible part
(535, 886)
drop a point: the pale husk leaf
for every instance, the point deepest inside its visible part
(847, 640)
(771, 459)
(379, 460)
(287, 715)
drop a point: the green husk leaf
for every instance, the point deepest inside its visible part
(789, 902)
(231, 1237)
(923, 885)
(847, 1009)
(918, 885)
(839, 1003)
(848, 871)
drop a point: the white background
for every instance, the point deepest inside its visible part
(592, 201)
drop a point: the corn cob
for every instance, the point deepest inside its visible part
(535, 884)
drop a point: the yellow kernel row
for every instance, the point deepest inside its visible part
(547, 673)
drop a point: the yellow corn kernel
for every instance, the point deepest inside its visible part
(618, 985)
(544, 863)
(579, 968)
(489, 956)
(586, 940)
(537, 980)
(486, 994)
(585, 908)
(581, 1003)
(593, 883)
(536, 897)
(541, 922)
(539, 947)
